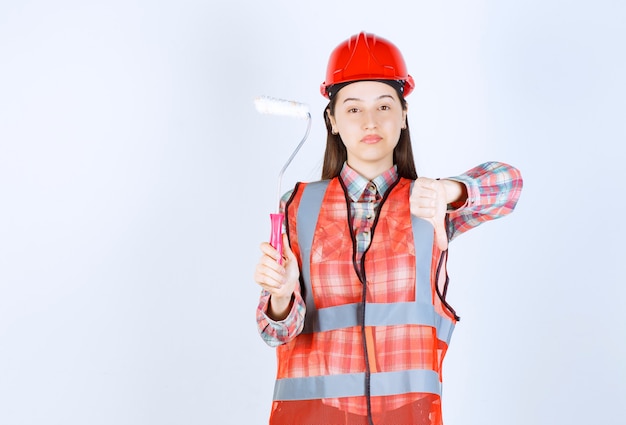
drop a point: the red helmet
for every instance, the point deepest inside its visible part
(366, 57)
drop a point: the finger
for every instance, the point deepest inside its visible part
(423, 206)
(268, 277)
(275, 284)
(424, 184)
(423, 193)
(424, 201)
(269, 250)
(424, 181)
(423, 196)
(270, 263)
(423, 212)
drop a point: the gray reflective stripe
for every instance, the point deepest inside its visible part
(333, 318)
(445, 327)
(308, 213)
(420, 312)
(353, 384)
(381, 314)
(423, 241)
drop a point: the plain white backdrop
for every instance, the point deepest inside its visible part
(136, 182)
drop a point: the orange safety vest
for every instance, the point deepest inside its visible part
(375, 334)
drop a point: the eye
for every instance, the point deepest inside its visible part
(385, 107)
(353, 110)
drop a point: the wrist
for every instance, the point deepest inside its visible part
(280, 306)
(456, 192)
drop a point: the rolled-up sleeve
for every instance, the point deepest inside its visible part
(273, 332)
(493, 189)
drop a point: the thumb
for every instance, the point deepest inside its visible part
(441, 236)
(287, 248)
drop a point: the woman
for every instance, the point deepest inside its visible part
(357, 309)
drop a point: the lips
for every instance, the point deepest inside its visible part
(371, 138)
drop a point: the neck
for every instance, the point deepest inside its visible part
(370, 171)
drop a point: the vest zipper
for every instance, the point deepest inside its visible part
(360, 271)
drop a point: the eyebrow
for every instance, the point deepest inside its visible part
(361, 100)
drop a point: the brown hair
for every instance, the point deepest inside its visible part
(336, 154)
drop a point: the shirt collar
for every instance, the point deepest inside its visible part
(356, 183)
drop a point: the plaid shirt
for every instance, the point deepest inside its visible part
(365, 196)
(493, 189)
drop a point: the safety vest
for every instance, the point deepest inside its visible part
(375, 333)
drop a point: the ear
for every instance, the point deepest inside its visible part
(333, 123)
(404, 113)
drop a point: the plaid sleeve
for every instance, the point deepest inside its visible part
(273, 332)
(276, 333)
(493, 189)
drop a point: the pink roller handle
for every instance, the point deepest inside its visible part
(276, 237)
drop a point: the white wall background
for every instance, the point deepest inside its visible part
(136, 180)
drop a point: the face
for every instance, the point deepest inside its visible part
(369, 117)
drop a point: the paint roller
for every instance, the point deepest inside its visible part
(274, 106)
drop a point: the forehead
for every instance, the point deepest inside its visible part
(366, 91)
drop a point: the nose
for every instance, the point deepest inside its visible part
(369, 120)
